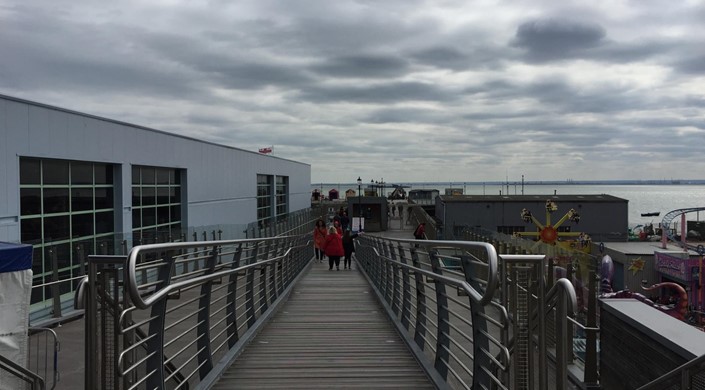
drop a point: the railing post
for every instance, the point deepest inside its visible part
(442, 323)
(481, 361)
(205, 361)
(420, 326)
(231, 311)
(155, 344)
(406, 294)
(590, 377)
(250, 287)
(55, 290)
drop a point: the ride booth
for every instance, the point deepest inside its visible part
(373, 210)
(679, 267)
(15, 293)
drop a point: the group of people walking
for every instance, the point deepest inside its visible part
(334, 242)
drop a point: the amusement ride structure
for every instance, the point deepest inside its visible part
(549, 233)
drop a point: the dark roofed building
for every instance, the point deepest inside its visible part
(602, 217)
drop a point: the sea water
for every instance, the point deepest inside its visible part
(660, 198)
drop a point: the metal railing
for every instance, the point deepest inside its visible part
(153, 322)
(470, 315)
(60, 286)
(43, 355)
(690, 375)
(32, 380)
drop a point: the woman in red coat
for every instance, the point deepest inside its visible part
(334, 248)
(319, 239)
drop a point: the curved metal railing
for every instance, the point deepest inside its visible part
(458, 306)
(145, 338)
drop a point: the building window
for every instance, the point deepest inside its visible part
(156, 204)
(282, 196)
(66, 213)
(265, 200)
(510, 229)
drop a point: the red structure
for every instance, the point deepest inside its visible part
(333, 194)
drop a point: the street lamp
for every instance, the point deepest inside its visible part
(359, 204)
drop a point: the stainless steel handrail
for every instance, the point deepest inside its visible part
(162, 324)
(682, 371)
(22, 373)
(134, 255)
(450, 338)
(492, 262)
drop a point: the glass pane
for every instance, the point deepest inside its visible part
(65, 287)
(174, 176)
(56, 228)
(63, 254)
(136, 200)
(81, 173)
(31, 230)
(162, 195)
(56, 200)
(103, 198)
(104, 222)
(163, 215)
(103, 174)
(163, 175)
(148, 175)
(82, 225)
(149, 217)
(37, 262)
(135, 175)
(81, 199)
(55, 171)
(136, 218)
(175, 213)
(30, 171)
(148, 196)
(30, 201)
(175, 193)
(36, 293)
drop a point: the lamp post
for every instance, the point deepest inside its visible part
(359, 204)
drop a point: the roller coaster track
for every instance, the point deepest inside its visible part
(668, 218)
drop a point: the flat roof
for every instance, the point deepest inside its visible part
(530, 198)
(646, 248)
(678, 336)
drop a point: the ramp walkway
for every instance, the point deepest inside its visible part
(332, 333)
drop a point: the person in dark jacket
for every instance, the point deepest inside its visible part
(344, 221)
(420, 232)
(334, 248)
(349, 248)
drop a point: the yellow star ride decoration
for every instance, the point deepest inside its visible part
(636, 265)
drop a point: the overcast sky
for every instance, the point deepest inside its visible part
(404, 90)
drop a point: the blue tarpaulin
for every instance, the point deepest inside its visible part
(15, 257)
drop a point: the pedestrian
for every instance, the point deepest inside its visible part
(338, 228)
(420, 232)
(344, 221)
(334, 248)
(349, 248)
(319, 239)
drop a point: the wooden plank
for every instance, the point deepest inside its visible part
(331, 334)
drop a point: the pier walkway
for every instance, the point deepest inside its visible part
(331, 333)
(260, 313)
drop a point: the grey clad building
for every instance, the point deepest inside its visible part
(70, 180)
(602, 217)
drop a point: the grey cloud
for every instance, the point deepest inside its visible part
(406, 115)
(551, 39)
(363, 66)
(383, 93)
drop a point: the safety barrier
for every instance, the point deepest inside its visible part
(140, 336)
(473, 318)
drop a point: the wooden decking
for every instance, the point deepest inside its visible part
(331, 334)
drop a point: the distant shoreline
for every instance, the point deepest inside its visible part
(531, 183)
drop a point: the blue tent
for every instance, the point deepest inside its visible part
(15, 257)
